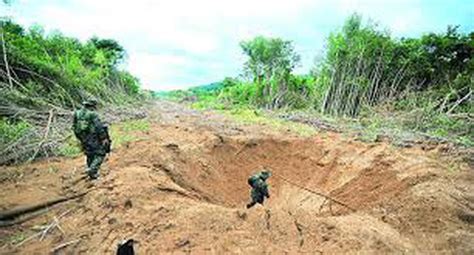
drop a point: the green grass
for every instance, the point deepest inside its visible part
(207, 105)
(134, 125)
(15, 238)
(124, 132)
(250, 116)
(53, 170)
(400, 125)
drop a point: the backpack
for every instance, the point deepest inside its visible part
(252, 181)
(82, 125)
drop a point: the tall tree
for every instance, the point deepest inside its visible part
(113, 51)
(270, 63)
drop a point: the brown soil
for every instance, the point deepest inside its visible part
(183, 188)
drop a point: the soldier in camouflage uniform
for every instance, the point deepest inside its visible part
(93, 135)
(259, 187)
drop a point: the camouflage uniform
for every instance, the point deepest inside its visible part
(93, 136)
(259, 187)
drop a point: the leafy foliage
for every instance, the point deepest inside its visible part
(55, 70)
(269, 65)
(45, 73)
(421, 84)
(365, 66)
(12, 130)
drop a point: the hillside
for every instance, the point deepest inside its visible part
(44, 77)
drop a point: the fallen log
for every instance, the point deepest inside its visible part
(10, 215)
(20, 220)
(64, 245)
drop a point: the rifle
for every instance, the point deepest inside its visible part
(108, 145)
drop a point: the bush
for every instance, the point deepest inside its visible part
(55, 70)
(11, 130)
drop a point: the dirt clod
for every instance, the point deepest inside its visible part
(467, 217)
(128, 204)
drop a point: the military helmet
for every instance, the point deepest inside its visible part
(265, 174)
(90, 103)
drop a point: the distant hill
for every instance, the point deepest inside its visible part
(207, 87)
(187, 92)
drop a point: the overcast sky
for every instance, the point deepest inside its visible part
(177, 44)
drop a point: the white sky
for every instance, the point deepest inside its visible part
(177, 44)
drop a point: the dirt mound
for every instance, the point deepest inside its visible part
(183, 188)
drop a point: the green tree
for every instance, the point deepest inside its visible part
(112, 51)
(357, 68)
(269, 64)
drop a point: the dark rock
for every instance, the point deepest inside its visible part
(128, 204)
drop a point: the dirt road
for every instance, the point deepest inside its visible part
(182, 188)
